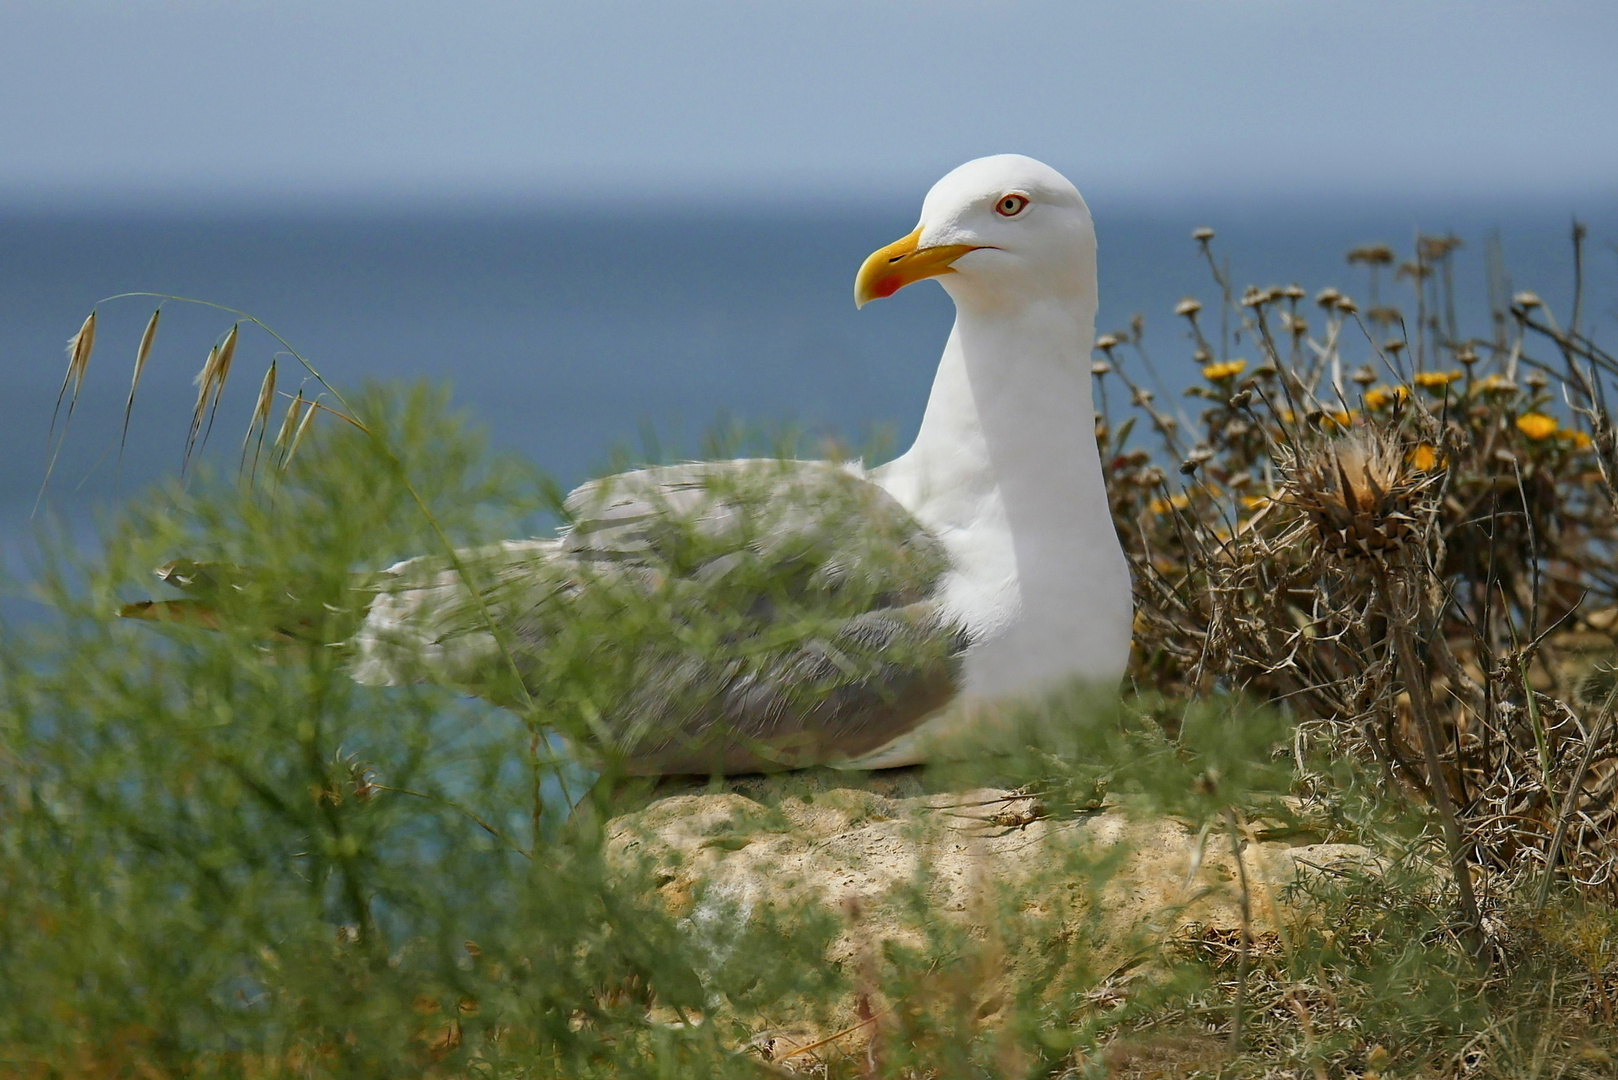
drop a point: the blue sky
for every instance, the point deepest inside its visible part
(188, 99)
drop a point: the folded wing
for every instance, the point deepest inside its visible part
(728, 616)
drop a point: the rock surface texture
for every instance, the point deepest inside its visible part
(869, 847)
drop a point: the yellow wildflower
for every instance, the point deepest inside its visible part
(1378, 396)
(1536, 425)
(1163, 506)
(1226, 370)
(1341, 419)
(1577, 439)
(1422, 457)
(1436, 380)
(1255, 502)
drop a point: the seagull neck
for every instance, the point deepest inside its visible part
(1005, 471)
(1009, 418)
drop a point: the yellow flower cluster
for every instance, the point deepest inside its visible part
(1536, 425)
(1436, 380)
(1378, 396)
(1226, 370)
(1422, 457)
(1163, 506)
(1577, 439)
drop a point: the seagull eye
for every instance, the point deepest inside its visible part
(1010, 205)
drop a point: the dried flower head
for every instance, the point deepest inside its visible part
(1188, 307)
(1346, 305)
(1202, 234)
(1359, 492)
(1364, 375)
(1327, 297)
(1107, 342)
(1100, 367)
(1372, 255)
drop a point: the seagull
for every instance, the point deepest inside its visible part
(756, 615)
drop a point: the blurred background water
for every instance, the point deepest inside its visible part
(570, 333)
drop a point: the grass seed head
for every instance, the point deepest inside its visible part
(78, 352)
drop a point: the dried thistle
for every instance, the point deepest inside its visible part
(1360, 492)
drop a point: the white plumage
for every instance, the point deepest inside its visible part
(1006, 580)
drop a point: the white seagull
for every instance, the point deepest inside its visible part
(753, 615)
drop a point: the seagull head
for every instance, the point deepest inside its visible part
(1001, 232)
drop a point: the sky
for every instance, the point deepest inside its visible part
(747, 99)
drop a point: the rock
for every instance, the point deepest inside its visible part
(862, 846)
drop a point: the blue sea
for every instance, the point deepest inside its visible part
(569, 331)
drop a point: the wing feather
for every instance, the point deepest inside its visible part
(732, 616)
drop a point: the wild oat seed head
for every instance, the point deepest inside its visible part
(79, 347)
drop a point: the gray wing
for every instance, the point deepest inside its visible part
(729, 616)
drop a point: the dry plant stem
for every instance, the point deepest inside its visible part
(1239, 1002)
(1597, 736)
(1415, 678)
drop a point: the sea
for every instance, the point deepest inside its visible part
(573, 331)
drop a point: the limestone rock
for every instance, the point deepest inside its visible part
(861, 845)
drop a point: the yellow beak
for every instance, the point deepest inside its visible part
(902, 263)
